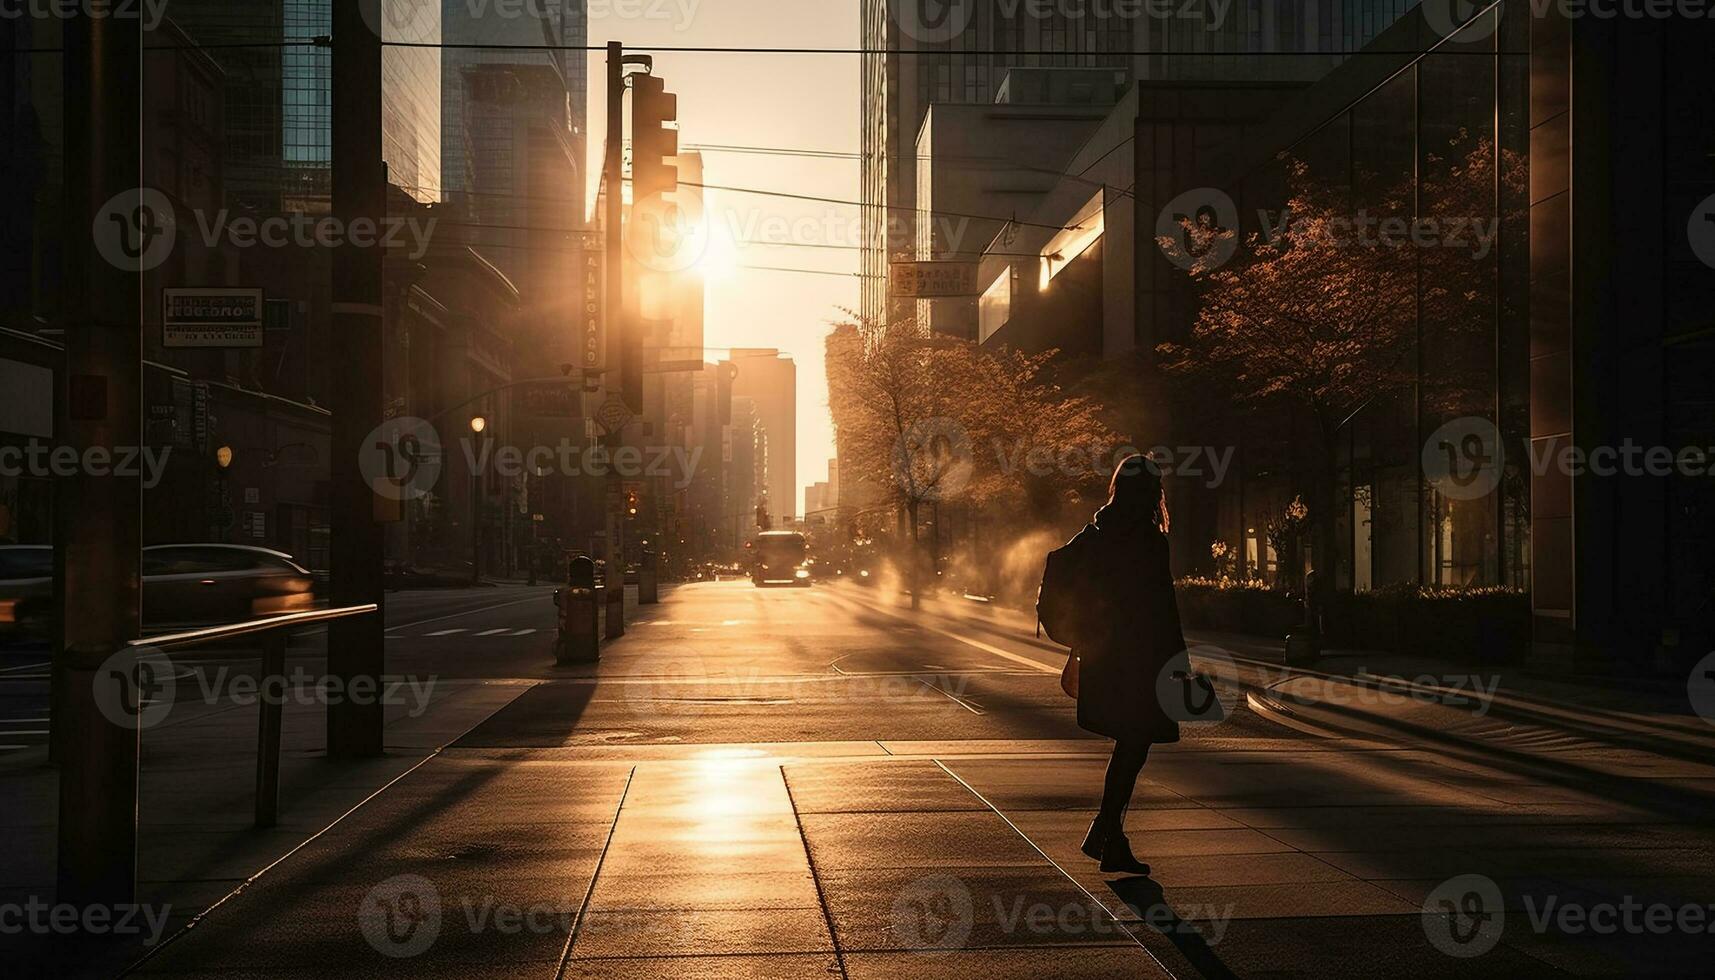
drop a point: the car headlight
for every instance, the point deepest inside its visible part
(801, 573)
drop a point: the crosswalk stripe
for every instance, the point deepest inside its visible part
(445, 632)
(523, 632)
(492, 632)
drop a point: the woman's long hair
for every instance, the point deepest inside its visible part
(1135, 493)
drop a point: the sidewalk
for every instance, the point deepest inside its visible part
(197, 842)
(543, 843)
(1520, 694)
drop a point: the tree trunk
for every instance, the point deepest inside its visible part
(914, 561)
(1322, 509)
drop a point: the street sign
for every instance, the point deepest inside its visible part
(553, 399)
(933, 280)
(613, 415)
(220, 317)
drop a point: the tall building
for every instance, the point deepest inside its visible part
(279, 99)
(411, 97)
(930, 51)
(770, 380)
(548, 86)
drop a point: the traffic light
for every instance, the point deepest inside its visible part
(655, 221)
(654, 146)
(631, 503)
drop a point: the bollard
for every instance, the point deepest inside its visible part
(579, 641)
(614, 602)
(647, 593)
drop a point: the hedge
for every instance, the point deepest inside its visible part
(1485, 623)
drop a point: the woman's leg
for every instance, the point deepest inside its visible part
(1123, 769)
(1106, 840)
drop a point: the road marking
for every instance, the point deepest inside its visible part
(9, 670)
(18, 721)
(467, 612)
(28, 731)
(523, 632)
(980, 645)
(450, 632)
(489, 632)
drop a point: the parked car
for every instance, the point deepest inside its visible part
(182, 584)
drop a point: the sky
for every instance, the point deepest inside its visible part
(780, 101)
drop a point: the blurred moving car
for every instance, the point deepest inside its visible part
(26, 589)
(182, 584)
(780, 559)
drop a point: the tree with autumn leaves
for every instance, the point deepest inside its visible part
(1320, 314)
(923, 419)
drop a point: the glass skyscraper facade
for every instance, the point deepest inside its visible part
(903, 73)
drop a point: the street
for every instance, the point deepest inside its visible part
(773, 783)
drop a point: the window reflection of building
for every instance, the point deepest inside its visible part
(1438, 140)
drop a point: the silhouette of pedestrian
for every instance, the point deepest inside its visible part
(1108, 594)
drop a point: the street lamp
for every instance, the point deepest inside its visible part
(477, 424)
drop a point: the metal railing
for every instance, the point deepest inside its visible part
(275, 632)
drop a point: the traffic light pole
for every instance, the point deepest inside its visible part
(355, 645)
(109, 228)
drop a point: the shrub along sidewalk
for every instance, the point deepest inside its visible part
(1488, 624)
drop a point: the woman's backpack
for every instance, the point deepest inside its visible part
(1064, 596)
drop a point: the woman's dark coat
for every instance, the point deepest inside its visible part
(1128, 629)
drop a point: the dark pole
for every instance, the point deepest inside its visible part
(475, 526)
(355, 648)
(112, 231)
(613, 227)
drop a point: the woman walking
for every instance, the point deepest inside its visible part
(1126, 631)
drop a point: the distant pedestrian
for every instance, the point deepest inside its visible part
(1108, 594)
